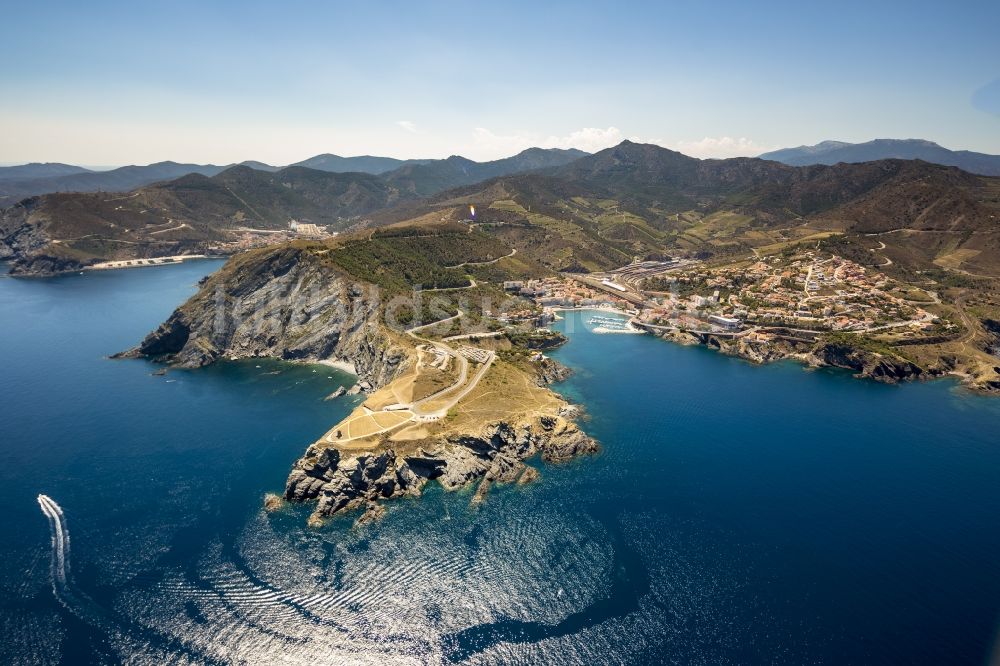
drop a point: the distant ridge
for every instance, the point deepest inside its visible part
(40, 170)
(832, 152)
(361, 163)
(259, 166)
(28, 180)
(121, 179)
(434, 176)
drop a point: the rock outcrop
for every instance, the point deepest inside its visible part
(341, 390)
(760, 352)
(992, 329)
(338, 481)
(26, 244)
(550, 371)
(865, 363)
(43, 265)
(272, 502)
(374, 511)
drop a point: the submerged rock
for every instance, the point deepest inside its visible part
(529, 475)
(481, 492)
(373, 511)
(272, 502)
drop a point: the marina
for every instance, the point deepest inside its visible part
(603, 324)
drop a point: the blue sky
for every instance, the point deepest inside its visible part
(117, 83)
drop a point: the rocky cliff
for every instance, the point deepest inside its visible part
(883, 367)
(282, 303)
(550, 371)
(874, 365)
(992, 329)
(25, 244)
(340, 481)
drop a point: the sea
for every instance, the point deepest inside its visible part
(736, 514)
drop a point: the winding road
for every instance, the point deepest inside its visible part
(414, 411)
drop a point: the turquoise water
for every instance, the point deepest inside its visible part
(736, 514)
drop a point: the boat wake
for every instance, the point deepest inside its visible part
(85, 608)
(62, 578)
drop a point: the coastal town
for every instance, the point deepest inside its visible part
(807, 293)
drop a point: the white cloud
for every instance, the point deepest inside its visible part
(722, 146)
(591, 139)
(408, 125)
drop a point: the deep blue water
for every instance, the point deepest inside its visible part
(736, 514)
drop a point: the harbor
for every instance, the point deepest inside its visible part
(605, 324)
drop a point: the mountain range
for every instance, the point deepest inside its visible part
(419, 176)
(831, 152)
(566, 211)
(362, 163)
(122, 179)
(210, 205)
(429, 177)
(424, 177)
(641, 200)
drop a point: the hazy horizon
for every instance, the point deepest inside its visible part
(116, 84)
(107, 167)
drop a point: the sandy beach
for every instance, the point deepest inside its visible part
(343, 366)
(144, 262)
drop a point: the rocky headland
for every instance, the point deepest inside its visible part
(283, 304)
(288, 303)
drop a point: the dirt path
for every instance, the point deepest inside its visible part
(369, 424)
(484, 263)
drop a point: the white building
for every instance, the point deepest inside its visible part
(613, 285)
(725, 322)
